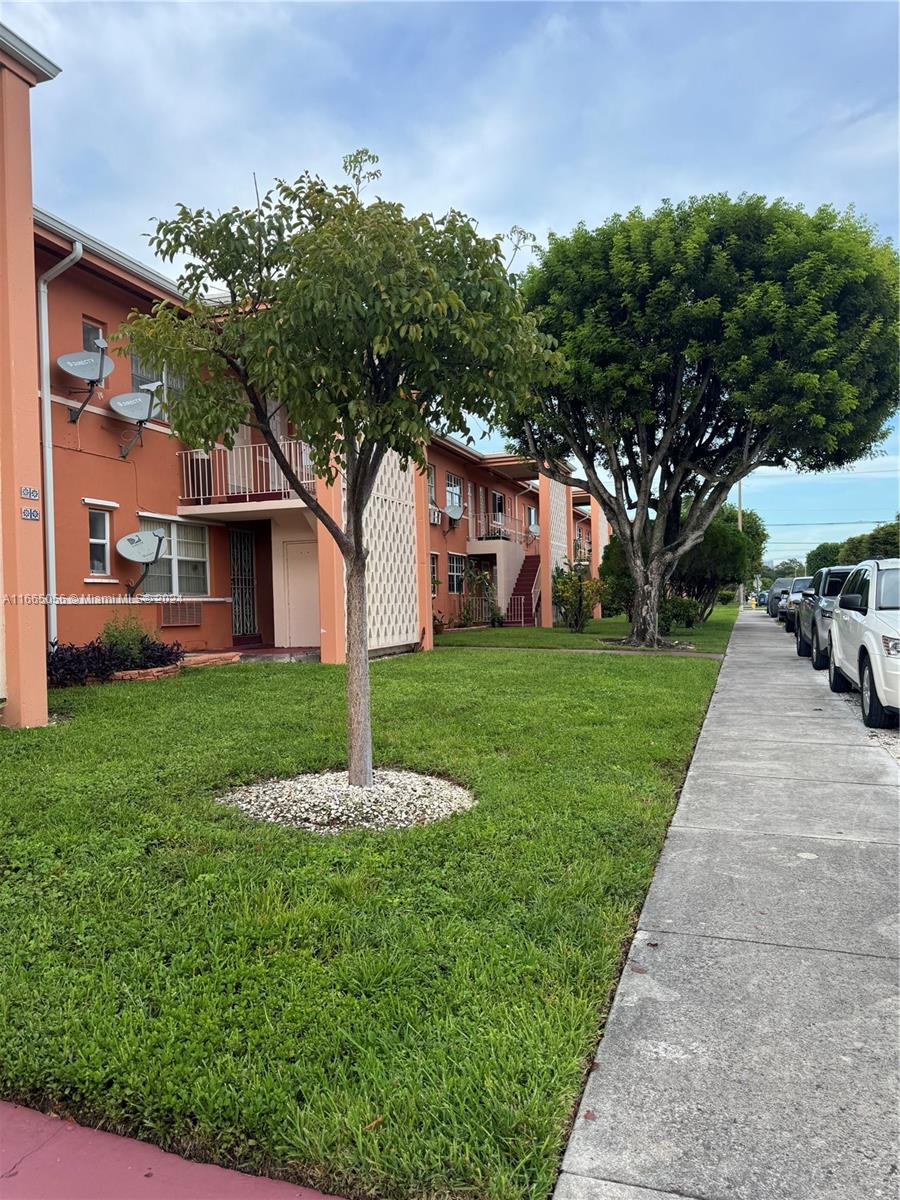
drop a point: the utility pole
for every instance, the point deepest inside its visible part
(740, 530)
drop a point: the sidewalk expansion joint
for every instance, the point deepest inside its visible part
(780, 833)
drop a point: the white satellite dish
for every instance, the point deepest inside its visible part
(136, 406)
(91, 366)
(141, 547)
(534, 529)
(454, 511)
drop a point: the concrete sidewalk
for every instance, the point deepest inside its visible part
(751, 1051)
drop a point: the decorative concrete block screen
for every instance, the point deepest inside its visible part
(559, 536)
(390, 533)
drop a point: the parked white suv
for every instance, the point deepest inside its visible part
(864, 642)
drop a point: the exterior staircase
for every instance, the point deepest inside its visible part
(520, 610)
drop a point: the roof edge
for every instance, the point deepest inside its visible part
(71, 233)
(27, 56)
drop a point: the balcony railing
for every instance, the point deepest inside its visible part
(490, 526)
(460, 611)
(223, 476)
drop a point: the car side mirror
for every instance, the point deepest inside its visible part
(808, 592)
(783, 592)
(852, 602)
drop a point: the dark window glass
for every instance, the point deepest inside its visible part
(889, 588)
(90, 331)
(864, 588)
(816, 584)
(833, 584)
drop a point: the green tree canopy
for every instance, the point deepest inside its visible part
(702, 341)
(364, 327)
(823, 555)
(880, 542)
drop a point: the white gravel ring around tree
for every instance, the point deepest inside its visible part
(326, 803)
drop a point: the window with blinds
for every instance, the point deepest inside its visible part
(182, 568)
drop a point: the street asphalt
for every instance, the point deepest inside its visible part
(751, 1051)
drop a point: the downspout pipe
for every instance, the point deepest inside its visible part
(44, 282)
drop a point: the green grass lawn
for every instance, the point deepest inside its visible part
(392, 1015)
(711, 636)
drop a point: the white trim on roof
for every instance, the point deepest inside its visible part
(94, 246)
(27, 56)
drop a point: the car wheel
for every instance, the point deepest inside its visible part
(837, 680)
(788, 624)
(874, 714)
(819, 656)
(803, 650)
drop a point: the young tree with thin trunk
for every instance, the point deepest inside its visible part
(364, 328)
(697, 344)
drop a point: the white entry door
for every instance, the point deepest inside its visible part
(301, 582)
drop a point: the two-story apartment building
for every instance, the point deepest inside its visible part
(243, 562)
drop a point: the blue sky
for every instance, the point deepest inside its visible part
(539, 115)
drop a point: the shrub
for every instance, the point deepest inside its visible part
(616, 584)
(123, 637)
(683, 611)
(156, 653)
(576, 595)
(726, 597)
(69, 665)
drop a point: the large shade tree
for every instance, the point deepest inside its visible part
(698, 343)
(363, 327)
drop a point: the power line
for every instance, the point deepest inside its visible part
(822, 524)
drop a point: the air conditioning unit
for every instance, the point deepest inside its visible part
(434, 516)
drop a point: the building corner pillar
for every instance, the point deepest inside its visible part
(332, 590)
(23, 631)
(423, 559)
(546, 567)
(598, 541)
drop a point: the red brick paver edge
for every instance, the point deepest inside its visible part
(45, 1158)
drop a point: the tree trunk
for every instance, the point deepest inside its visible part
(359, 714)
(645, 614)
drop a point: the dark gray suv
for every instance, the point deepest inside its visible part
(814, 614)
(779, 586)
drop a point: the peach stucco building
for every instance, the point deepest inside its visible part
(245, 564)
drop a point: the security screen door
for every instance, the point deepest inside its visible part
(243, 584)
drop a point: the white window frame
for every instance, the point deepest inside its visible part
(455, 487)
(530, 515)
(171, 553)
(104, 541)
(435, 560)
(429, 471)
(456, 573)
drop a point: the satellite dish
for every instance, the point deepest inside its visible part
(141, 547)
(90, 367)
(534, 529)
(454, 511)
(87, 365)
(136, 406)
